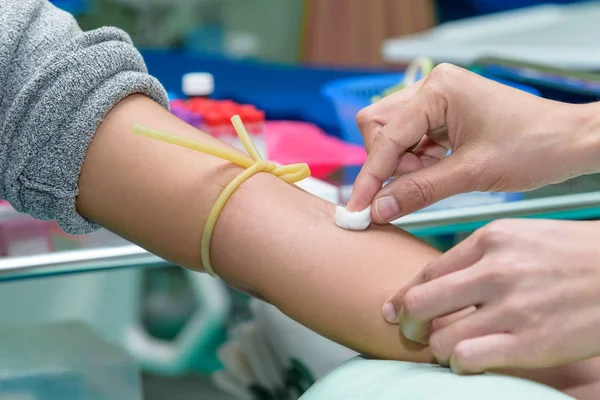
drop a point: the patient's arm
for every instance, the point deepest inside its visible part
(271, 239)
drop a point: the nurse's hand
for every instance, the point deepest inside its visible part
(515, 294)
(503, 139)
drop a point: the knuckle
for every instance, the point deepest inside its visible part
(393, 138)
(495, 275)
(429, 273)
(516, 309)
(370, 125)
(443, 74)
(365, 117)
(374, 174)
(501, 271)
(445, 69)
(440, 72)
(494, 233)
(507, 267)
(462, 353)
(438, 88)
(419, 192)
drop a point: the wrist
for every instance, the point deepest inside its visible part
(585, 146)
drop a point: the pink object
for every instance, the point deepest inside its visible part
(291, 142)
(21, 235)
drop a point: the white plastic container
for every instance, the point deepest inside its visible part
(198, 84)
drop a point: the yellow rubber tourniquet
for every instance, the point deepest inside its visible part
(253, 164)
(423, 65)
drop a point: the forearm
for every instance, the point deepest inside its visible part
(271, 238)
(331, 280)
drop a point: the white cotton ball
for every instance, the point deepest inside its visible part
(354, 221)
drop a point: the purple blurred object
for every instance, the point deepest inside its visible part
(187, 116)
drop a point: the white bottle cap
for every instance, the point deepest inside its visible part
(198, 84)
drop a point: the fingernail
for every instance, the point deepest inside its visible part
(443, 363)
(411, 329)
(454, 367)
(387, 208)
(414, 330)
(458, 369)
(390, 314)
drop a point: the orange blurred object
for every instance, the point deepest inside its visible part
(350, 32)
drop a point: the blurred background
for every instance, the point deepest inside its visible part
(127, 325)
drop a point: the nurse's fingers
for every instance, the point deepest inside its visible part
(374, 118)
(384, 147)
(485, 353)
(440, 297)
(424, 114)
(423, 187)
(442, 322)
(480, 323)
(461, 256)
(426, 153)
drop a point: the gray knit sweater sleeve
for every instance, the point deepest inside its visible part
(56, 85)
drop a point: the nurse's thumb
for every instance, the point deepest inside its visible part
(421, 188)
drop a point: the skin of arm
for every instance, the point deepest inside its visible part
(272, 239)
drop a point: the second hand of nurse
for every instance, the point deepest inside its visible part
(516, 293)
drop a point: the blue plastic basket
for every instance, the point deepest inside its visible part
(73, 6)
(490, 6)
(351, 95)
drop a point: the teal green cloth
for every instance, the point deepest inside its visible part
(393, 380)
